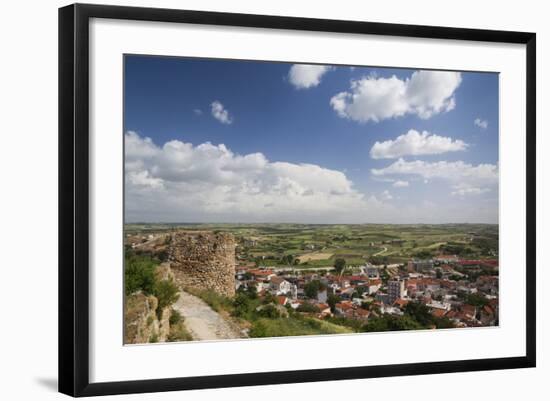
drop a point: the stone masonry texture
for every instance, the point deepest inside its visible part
(203, 260)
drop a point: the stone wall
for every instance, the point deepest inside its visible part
(141, 324)
(203, 260)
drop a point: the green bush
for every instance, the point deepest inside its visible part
(308, 308)
(332, 300)
(476, 300)
(269, 311)
(139, 274)
(175, 317)
(166, 293)
(391, 323)
(242, 306)
(420, 313)
(178, 332)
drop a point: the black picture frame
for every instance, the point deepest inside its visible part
(74, 198)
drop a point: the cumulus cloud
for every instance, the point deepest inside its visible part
(414, 143)
(464, 190)
(197, 112)
(400, 184)
(182, 182)
(220, 113)
(386, 195)
(464, 177)
(483, 124)
(373, 98)
(304, 76)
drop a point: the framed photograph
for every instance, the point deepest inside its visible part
(250, 199)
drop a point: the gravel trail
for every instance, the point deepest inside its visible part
(202, 322)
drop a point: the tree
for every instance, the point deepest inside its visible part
(424, 254)
(476, 300)
(358, 293)
(312, 288)
(241, 305)
(166, 293)
(287, 259)
(139, 274)
(391, 323)
(332, 300)
(384, 275)
(419, 312)
(404, 323)
(438, 273)
(339, 265)
(252, 292)
(268, 298)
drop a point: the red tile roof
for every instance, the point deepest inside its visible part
(439, 312)
(260, 272)
(281, 299)
(344, 305)
(400, 302)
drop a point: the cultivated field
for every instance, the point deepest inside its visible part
(303, 245)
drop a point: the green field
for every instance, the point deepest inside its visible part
(282, 244)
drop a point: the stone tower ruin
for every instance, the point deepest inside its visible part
(203, 260)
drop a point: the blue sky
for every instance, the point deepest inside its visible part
(440, 166)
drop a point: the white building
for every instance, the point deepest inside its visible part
(280, 286)
(439, 305)
(396, 290)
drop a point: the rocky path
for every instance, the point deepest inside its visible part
(202, 322)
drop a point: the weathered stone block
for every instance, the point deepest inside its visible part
(203, 260)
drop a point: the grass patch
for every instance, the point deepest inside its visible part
(294, 326)
(178, 332)
(216, 301)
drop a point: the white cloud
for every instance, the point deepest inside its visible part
(464, 177)
(425, 93)
(197, 112)
(414, 143)
(220, 113)
(483, 124)
(304, 76)
(400, 184)
(386, 195)
(144, 179)
(182, 182)
(464, 190)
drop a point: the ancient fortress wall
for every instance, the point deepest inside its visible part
(203, 260)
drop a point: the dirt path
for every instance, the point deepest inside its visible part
(381, 252)
(202, 322)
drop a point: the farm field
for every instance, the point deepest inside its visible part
(307, 245)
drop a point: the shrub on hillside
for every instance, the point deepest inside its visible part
(308, 308)
(139, 274)
(269, 311)
(166, 293)
(175, 317)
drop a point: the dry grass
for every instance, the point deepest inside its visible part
(314, 256)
